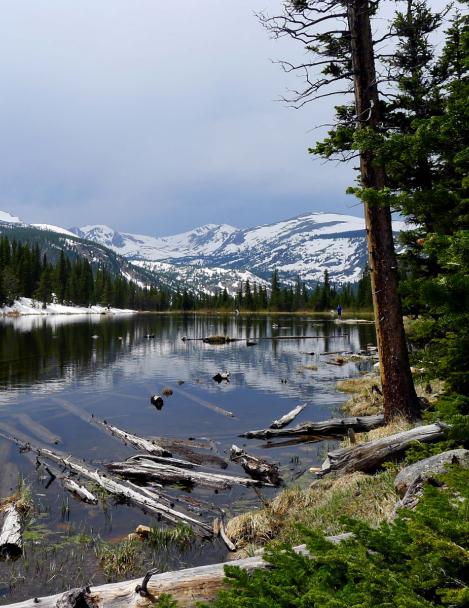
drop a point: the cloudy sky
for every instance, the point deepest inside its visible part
(154, 117)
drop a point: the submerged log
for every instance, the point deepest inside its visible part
(148, 470)
(137, 442)
(203, 403)
(410, 482)
(257, 468)
(368, 457)
(11, 541)
(187, 587)
(287, 418)
(334, 426)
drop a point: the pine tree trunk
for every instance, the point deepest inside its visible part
(398, 387)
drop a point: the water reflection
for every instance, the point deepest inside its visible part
(58, 372)
(47, 354)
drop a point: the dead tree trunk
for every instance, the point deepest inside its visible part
(11, 541)
(333, 426)
(149, 470)
(257, 468)
(187, 587)
(368, 457)
(396, 379)
(287, 418)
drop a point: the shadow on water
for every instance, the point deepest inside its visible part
(56, 372)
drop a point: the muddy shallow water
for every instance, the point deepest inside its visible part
(55, 372)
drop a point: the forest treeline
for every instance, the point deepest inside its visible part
(26, 272)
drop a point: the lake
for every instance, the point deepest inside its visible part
(60, 373)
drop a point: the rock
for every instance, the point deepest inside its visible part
(410, 481)
(133, 536)
(142, 531)
(222, 376)
(157, 401)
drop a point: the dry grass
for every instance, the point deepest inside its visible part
(366, 402)
(396, 426)
(310, 366)
(22, 500)
(370, 498)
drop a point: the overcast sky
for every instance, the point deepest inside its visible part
(154, 116)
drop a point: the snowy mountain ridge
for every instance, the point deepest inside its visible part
(302, 246)
(214, 256)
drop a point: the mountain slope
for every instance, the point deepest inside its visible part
(303, 246)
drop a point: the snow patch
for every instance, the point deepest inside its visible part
(28, 306)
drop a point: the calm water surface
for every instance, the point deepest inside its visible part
(56, 372)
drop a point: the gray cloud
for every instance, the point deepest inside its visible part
(154, 117)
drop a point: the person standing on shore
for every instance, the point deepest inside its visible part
(339, 311)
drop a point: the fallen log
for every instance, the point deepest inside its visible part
(187, 587)
(137, 442)
(11, 541)
(257, 468)
(368, 457)
(148, 470)
(80, 491)
(409, 482)
(140, 499)
(175, 462)
(184, 447)
(334, 426)
(287, 418)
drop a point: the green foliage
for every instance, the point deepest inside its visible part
(418, 561)
(180, 536)
(165, 601)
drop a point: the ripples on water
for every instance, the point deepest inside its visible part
(107, 367)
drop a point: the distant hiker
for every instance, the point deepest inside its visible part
(339, 311)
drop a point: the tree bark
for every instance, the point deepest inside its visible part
(11, 541)
(400, 398)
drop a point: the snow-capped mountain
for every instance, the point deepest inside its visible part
(302, 246)
(215, 256)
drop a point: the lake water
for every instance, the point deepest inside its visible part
(58, 372)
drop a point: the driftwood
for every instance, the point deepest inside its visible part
(257, 468)
(80, 491)
(148, 470)
(187, 587)
(410, 482)
(11, 541)
(368, 457)
(148, 501)
(185, 448)
(287, 418)
(334, 426)
(175, 462)
(137, 442)
(142, 500)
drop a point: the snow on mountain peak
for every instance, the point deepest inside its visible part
(9, 218)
